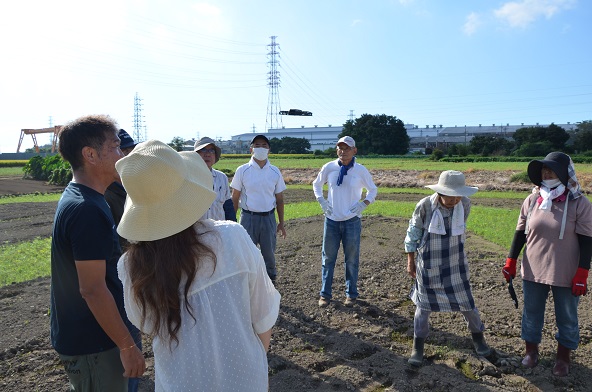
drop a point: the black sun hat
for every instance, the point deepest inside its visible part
(556, 161)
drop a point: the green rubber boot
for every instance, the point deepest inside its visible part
(481, 348)
(416, 358)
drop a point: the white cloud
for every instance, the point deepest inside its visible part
(406, 2)
(522, 13)
(209, 18)
(207, 9)
(472, 22)
(356, 22)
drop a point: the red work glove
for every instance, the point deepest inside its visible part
(578, 283)
(509, 270)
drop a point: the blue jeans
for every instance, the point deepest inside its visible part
(347, 232)
(566, 313)
(262, 230)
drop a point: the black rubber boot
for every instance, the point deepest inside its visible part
(416, 358)
(481, 348)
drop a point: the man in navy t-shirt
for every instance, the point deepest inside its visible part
(89, 328)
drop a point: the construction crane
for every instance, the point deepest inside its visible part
(55, 130)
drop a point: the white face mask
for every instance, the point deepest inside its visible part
(554, 183)
(260, 153)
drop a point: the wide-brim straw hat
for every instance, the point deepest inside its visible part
(556, 161)
(205, 141)
(452, 183)
(167, 191)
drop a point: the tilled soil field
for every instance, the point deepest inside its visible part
(364, 348)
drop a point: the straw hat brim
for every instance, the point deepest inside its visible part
(150, 221)
(456, 191)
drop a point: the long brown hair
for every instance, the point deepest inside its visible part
(158, 270)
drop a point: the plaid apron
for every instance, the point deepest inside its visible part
(442, 280)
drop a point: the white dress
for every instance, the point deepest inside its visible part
(232, 303)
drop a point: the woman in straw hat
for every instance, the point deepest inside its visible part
(209, 306)
(441, 271)
(555, 227)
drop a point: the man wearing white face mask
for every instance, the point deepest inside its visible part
(257, 187)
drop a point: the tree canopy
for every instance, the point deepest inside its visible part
(583, 136)
(378, 134)
(486, 145)
(289, 145)
(553, 134)
(177, 143)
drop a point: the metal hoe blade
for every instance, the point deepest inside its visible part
(512, 292)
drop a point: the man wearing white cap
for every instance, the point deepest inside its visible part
(258, 186)
(222, 208)
(346, 179)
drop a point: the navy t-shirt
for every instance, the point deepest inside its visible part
(83, 229)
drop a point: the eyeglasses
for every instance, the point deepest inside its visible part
(208, 150)
(344, 148)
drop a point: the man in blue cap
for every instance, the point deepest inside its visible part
(115, 193)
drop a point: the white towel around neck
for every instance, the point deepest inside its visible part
(548, 196)
(437, 222)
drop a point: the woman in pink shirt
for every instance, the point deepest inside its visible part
(555, 224)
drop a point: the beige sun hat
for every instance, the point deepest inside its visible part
(452, 183)
(167, 191)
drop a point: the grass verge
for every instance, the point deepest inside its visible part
(29, 260)
(24, 261)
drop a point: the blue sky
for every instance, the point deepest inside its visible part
(200, 67)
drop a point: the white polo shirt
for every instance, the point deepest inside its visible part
(258, 186)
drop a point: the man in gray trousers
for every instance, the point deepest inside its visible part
(258, 186)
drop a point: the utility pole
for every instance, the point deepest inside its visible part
(273, 118)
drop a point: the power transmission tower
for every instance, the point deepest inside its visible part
(139, 127)
(273, 118)
(351, 115)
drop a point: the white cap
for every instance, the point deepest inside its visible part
(347, 140)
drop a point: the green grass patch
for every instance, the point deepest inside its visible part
(29, 260)
(520, 177)
(465, 368)
(24, 261)
(11, 171)
(494, 224)
(230, 162)
(32, 198)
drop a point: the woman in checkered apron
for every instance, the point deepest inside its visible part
(437, 234)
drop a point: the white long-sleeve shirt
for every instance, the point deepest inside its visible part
(222, 189)
(344, 196)
(232, 303)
